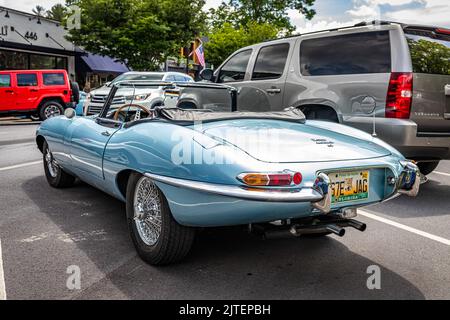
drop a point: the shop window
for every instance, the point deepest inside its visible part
(42, 62)
(27, 80)
(61, 63)
(11, 60)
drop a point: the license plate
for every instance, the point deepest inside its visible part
(349, 186)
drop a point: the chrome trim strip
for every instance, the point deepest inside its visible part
(265, 195)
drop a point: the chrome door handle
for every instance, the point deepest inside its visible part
(273, 91)
(106, 134)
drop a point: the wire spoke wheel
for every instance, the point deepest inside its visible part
(147, 211)
(51, 164)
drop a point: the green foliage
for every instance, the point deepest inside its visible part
(141, 33)
(430, 57)
(274, 12)
(226, 39)
(57, 12)
(239, 23)
(39, 11)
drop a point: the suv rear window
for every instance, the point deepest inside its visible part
(430, 52)
(54, 79)
(270, 62)
(27, 80)
(5, 80)
(357, 53)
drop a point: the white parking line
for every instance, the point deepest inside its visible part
(2, 276)
(403, 227)
(442, 173)
(17, 166)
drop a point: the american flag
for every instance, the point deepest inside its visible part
(200, 53)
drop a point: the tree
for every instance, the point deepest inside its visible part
(142, 33)
(274, 12)
(39, 11)
(58, 12)
(429, 57)
(226, 39)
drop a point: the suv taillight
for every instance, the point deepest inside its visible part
(399, 96)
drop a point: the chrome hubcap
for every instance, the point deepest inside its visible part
(51, 164)
(52, 111)
(147, 211)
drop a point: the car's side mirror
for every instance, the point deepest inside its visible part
(207, 74)
(107, 84)
(70, 113)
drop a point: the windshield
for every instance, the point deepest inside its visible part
(139, 77)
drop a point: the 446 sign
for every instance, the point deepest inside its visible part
(31, 35)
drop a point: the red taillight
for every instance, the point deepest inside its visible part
(270, 179)
(399, 96)
(443, 31)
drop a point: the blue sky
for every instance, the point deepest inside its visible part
(332, 13)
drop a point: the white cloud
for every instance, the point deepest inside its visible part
(365, 11)
(28, 5)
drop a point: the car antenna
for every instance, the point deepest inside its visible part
(374, 133)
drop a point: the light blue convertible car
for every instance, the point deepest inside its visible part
(178, 170)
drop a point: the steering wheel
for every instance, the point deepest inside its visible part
(118, 111)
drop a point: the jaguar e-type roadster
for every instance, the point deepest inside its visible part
(179, 170)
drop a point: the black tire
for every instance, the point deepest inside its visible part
(427, 167)
(315, 235)
(174, 241)
(58, 178)
(75, 92)
(34, 117)
(50, 109)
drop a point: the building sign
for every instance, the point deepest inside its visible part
(4, 31)
(31, 35)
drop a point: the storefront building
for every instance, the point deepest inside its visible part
(29, 42)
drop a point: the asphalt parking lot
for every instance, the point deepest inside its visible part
(44, 231)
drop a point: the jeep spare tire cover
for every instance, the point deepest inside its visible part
(75, 92)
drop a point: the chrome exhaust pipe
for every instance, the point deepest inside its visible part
(335, 229)
(357, 225)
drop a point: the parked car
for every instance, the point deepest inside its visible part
(79, 108)
(273, 171)
(388, 78)
(37, 93)
(149, 97)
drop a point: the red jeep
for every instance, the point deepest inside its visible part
(36, 93)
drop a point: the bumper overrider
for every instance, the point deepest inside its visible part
(317, 193)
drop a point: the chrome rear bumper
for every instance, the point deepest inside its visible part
(318, 194)
(266, 195)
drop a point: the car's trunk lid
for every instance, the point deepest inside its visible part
(282, 142)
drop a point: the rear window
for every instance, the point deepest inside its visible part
(430, 52)
(5, 80)
(357, 53)
(27, 80)
(270, 62)
(54, 79)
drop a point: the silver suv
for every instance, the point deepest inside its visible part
(384, 78)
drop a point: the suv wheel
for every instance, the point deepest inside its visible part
(320, 113)
(427, 167)
(50, 109)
